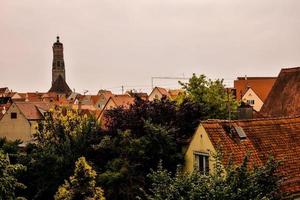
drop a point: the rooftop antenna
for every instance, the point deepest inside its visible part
(166, 77)
(229, 106)
(85, 91)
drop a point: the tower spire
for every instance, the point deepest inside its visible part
(58, 69)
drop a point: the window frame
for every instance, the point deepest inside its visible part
(198, 156)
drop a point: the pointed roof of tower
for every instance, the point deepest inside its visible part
(60, 86)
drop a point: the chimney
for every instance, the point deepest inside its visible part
(245, 111)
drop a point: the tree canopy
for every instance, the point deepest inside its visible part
(233, 182)
(81, 186)
(212, 94)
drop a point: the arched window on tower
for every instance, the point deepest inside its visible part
(58, 63)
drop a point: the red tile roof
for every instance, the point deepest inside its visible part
(163, 91)
(34, 96)
(95, 99)
(3, 90)
(122, 100)
(175, 93)
(279, 137)
(284, 98)
(260, 85)
(31, 110)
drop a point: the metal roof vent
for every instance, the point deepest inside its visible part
(240, 131)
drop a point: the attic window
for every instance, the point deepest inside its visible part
(202, 162)
(250, 102)
(13, 115)
(240, 131)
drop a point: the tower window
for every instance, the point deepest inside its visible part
(58, 63)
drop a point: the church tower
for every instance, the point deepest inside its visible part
(58, 64)
(59, 84)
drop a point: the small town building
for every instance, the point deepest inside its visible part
(253, 90)
(20, 120)
(115, 101)
(262, 138)
(158, 92)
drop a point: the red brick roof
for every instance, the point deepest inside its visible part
(260, 85)
(279, 137)
(284, 98)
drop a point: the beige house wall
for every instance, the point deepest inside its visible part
(199, 143)
(251, 95)
(18, 128)
(155, 94)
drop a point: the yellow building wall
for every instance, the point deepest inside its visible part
(200, 143)
(14, 129)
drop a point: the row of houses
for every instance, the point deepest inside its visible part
(20, 112)
(275, 131)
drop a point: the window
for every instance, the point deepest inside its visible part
(202, 162)
(250, 102)
(58, 63)
(13, 115)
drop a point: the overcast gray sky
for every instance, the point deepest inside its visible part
(109, 43)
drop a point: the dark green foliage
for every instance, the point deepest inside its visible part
(8, 177)
(61, 139)
(183, 117)
(234, 183)
(132, 156)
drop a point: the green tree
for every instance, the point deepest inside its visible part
(240, 182)
(8, 178)
(60, 140)
(130, 157)
(211, 94)
(81, 186)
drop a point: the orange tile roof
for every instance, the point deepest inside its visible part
(260, 85)
(122, 100)
(34, 96)
(31, 110)
(163, 91)
(279, 137)
(284, 98)
(95, 98)
(175, 93)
